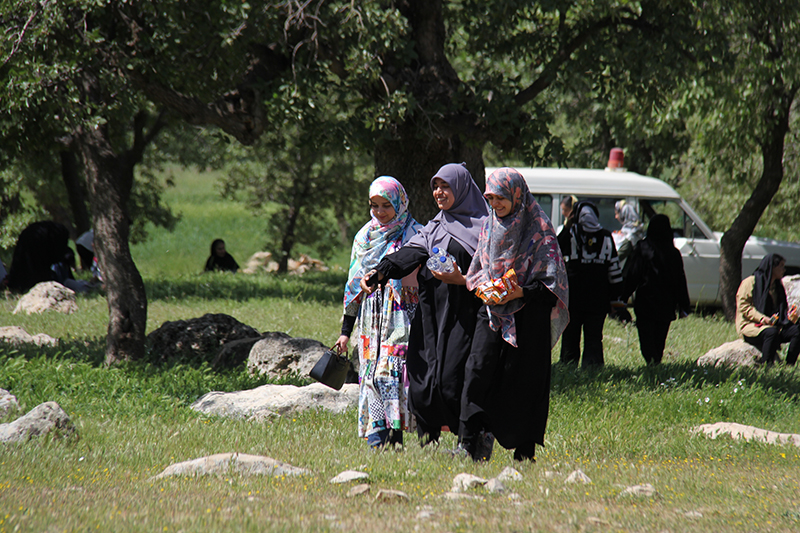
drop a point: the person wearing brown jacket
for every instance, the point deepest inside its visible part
(763, 319)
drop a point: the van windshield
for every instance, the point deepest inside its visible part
(681, 222)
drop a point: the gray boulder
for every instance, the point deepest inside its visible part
(278, 355)
(47, 296)
(732, 354)
(232, 463)
(748, 433)
(273, 400)
(40, 420)
(17, 336)
(792, 286)
(8, 403)
(199, 339)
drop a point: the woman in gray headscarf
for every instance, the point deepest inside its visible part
(632, 230)
(443, 326)
(595, 280)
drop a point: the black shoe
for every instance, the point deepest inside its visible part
(483, 447)
(429, 438)
(525, 453)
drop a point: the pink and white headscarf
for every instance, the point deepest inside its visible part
(375, 240)
(524, 240)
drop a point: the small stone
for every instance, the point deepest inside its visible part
(388, 495)
(509, 474)
(550, 474)
(358, 490)
(463, 482)
(348, 476)
(495, 486)
(641, 491)
(694, 514)
(578, 477)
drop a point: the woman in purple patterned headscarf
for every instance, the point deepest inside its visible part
(384, 317)
(507, 376)
(441, 334)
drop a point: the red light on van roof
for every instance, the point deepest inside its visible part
(616, 159)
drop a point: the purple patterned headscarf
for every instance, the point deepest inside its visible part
(525, 241)
(374, 240)
(463, 220)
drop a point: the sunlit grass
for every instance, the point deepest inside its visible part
(623, 425)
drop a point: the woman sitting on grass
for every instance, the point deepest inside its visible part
(384, 316)
(220, 259)
(507, 377)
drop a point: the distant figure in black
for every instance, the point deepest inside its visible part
(655, 273)
(220, 259)
(42, 253)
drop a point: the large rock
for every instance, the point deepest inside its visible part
(740, 431)
(279, 355)
(732, 354)
(232, 463)
(792, 286)
(199, 339)
(260, 262)
(263, 262)
(40, 420)
(47, 296)
(8, 403)
(16, 335)
(270, 400)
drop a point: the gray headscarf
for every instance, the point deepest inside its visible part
(463, 220)
(587, 219)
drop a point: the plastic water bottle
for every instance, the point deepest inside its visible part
(441, 261)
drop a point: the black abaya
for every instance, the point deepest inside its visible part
(508, 389)
(441, 338)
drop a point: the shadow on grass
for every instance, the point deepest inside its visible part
(568, 379)
(322, 287)
(76, 369)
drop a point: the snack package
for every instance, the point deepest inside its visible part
(792, 314)
(493, 291)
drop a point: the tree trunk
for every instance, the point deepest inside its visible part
(415, 172)
(733, 240)
(109, 178)
(70, 173)
(287, 243)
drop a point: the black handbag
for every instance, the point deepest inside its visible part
(331, 369)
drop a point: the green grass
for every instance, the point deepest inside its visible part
(625, 424)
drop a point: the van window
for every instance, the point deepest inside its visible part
(606, 207)
(546, 201)
(682, 225)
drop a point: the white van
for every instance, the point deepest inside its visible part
(698, 245)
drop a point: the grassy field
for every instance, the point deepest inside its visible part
(623, 425)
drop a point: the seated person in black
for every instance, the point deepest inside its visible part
(220, 259)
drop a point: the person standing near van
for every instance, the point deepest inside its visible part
(595, 280)
(655, 273)
(631, 232)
